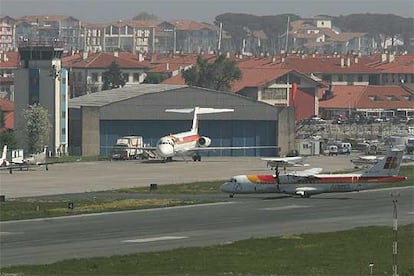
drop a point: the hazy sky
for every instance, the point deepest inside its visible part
(200, 10)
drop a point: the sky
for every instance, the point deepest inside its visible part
(199, 10)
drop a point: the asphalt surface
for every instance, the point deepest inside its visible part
(48, 240)
(80, 177)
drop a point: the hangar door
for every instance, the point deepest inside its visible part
(222, 134)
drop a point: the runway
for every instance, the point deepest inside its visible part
(48, 240)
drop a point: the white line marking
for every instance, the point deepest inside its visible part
(411, 213)
(9, 233)
(119, 212)
(285, 207)
(165, 238)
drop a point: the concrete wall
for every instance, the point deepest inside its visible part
(90, 130)
(286, 130)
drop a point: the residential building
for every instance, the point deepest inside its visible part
(86, 70)
(6, 115)
(195, 37)
(9, 62)
(7, 33)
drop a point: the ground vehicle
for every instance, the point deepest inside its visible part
(332, 150)
(344, 148)
(128, 147)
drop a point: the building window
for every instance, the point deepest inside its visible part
(274, 94)
(135, 77)
(63, 114)
(94, 77)
(63, 131)
(126, 76)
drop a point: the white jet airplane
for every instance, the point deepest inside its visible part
(4, 162)
(190, 143)
(311, 182)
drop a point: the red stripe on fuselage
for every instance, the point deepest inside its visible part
(186, 139)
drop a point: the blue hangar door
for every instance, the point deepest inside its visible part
(222, 133)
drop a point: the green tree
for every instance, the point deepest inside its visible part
(154, 78)
(145, 16)
(113, 78)
(218, 75)
(37, 127)
(8, 138)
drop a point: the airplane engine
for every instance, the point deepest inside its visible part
(204, 141)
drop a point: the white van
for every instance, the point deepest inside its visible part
(344, 148)
(332, 150)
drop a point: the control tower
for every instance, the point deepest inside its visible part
(42, 80)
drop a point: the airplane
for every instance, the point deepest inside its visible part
(38, 159)
(190, 143)
(311, 182)
(365, 160)
(276, 162)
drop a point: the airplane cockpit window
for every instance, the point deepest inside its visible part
(233, 180)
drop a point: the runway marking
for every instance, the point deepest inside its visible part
(118, 212)
(165, 238)
(9, 233)
(285, 207)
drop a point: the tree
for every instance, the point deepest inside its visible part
(113, 78)
(8, 138)
(145, 16)
(218, 75)
(155, 78)
(37, 127)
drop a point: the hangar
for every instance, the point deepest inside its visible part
(96, 120)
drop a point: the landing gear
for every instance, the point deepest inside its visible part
(196, 157)
(231, 195)
(305, 195)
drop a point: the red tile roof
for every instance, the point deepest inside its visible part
(8, 108)
(104, 60)
(257, 77)
(9, 60)
(369, 97)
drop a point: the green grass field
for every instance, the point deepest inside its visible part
(38, 208)
(337, 253)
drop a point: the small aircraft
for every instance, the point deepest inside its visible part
(190, 143)
(365, 160)
(311, 182)
(38, 159)
(276, 162)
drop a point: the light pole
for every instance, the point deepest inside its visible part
(395, 229)
(371, 267)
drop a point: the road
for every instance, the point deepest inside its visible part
(48, 240)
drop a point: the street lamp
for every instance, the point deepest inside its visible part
(371, 267)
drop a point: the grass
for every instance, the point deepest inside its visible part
(337, 253)
(37, 208)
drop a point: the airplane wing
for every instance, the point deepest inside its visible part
(285, 161)
(308, 173)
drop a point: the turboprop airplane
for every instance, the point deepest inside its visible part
(276, 162)
(190, 143)
(310, 182)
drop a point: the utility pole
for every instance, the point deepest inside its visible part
(395, 229)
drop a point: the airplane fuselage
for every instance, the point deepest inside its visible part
(180, 143)
(291, 184)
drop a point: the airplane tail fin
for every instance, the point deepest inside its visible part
(3, 161)
(389, 166)
(199, 110)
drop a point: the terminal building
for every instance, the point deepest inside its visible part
(97, 119)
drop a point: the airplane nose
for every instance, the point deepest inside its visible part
(227, 187)
(165, 150)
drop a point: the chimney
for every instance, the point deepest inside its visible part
(228, 55)
(140, 57)
(342, 62)
(116, 54)
(273, 59)
(348, 62)
(383, 58)
(167, 66)
(391, 57)
(356, 60)
(84, 55)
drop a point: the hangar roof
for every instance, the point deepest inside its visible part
(106, 97)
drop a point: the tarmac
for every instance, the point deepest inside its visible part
(80, 177)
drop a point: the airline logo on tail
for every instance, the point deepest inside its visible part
(391, 163)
